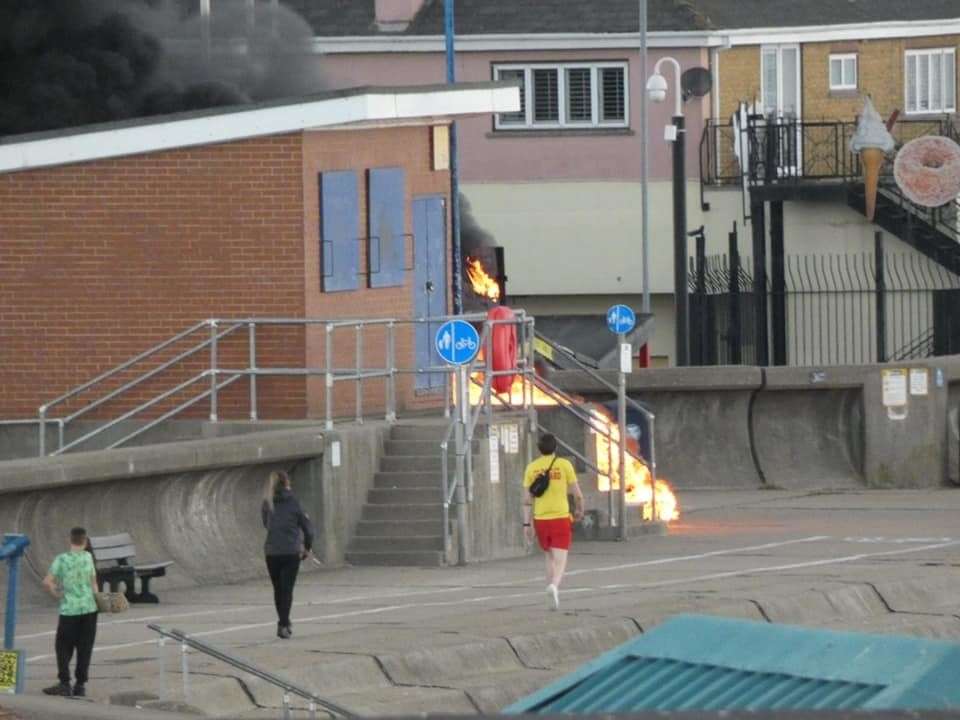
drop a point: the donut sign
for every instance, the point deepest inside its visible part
(927, 170)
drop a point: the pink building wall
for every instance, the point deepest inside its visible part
(546, 155)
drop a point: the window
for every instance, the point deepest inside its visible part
(780, 80)
(930, 84)
(560, 96)
(843, 72)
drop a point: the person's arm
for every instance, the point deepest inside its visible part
(527, 508)
(265, 514)
(93, 576)
(307, 527)
(577, 500)
(50, 581)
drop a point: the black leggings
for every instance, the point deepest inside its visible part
(75, 632)
(283, 574)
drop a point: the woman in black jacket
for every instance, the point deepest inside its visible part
(289, 540)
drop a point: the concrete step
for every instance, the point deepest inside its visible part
(400, 528)
(403, 513)
(413, 558)
(402, 480)
(408, 496)
(409, 543)
(419, 432)
(422, 447)
(411, 463)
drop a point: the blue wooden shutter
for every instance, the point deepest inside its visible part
(386, 253)
(339, 230)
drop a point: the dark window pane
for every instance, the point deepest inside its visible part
(613, 95)
(546, 100)
(579, 96)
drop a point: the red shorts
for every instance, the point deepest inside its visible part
(554, 533)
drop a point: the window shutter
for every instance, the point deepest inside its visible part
(339, 230)
(386, 249)
(546, 98)
(520, 117)
(579, 96)
(613, 104)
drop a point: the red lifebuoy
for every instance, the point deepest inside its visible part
(504, 339)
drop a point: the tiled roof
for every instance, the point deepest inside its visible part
(331, 18)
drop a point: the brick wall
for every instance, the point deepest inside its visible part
(102, 260)
(739, 78)
(409, 148)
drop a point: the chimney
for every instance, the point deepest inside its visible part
(396, 15)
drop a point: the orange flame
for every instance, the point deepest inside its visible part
(606, 444)
(481, 282)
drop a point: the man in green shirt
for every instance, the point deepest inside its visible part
(72, 580)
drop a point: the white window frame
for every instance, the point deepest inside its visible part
(942, 54)
(562, 123)
(844, 82)
(778, 49)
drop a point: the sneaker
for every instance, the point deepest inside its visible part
(79, 690)
(284, 633)
(553, 597)
(60, 689)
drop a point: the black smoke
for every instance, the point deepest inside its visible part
(66, 63)
(473, 238)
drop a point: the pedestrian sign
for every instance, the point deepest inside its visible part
(621, 319)
(457, 342)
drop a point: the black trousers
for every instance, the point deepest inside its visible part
(75, 633)
(283, 574)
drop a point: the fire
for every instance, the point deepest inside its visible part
(606, 443)
(482, 284)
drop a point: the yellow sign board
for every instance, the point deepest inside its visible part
(11, 672)
(543, 348)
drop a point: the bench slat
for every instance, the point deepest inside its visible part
(106, 541)
(118, 553)
(153, 566)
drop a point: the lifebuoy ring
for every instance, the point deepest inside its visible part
(928, 170)
(504, 340)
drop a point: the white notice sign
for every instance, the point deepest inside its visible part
(494, 458)
(626, 357)
(894, 388)
(511, 439)
(919, 380)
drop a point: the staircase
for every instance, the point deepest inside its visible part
(402, 521)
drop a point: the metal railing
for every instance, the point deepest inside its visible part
(216, 377)
(187, 643)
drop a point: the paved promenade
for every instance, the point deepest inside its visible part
(466, 640)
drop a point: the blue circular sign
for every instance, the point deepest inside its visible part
(457, 342)
(621, 319)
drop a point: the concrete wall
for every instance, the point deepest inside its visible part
(799, 428)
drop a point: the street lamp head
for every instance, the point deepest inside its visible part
(657, 88)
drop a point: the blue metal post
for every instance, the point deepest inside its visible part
(457, 275)
(12, 549)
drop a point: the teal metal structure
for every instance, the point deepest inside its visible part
(706, 663)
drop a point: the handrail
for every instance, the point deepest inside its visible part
(275, 680)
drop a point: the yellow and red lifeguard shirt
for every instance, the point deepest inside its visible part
(553, 504)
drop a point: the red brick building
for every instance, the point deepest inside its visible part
(115, 238)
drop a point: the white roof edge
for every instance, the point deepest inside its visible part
(657, 39)
(377, 107)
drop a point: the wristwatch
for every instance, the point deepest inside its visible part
(526, 524)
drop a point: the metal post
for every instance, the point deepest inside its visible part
(463, 412)
(778, 280)
(313, 710)
(680, 243)
(761, 335)
(185, 670)
(205, 33)
(881, 283)
(286, 706)
(457, 274)
(252, 363)
(644, 166)
(652, 424)
(359, 381)
(622, 423)
(613, 522)
(702, 310)
(162, 657)
(488, 361)
(43, 431)
(213, 371)
(328, 392)
(736, 356)
(10, 621)
(392, 377)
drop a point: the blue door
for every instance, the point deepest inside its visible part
(429, 281)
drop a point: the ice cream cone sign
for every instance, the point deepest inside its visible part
(873, 141)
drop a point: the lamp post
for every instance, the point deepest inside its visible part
(657, 92)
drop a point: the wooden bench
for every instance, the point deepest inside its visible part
(115, 565)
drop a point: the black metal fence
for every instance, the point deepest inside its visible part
(834, 310)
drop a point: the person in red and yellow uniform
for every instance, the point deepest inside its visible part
(550, 513)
